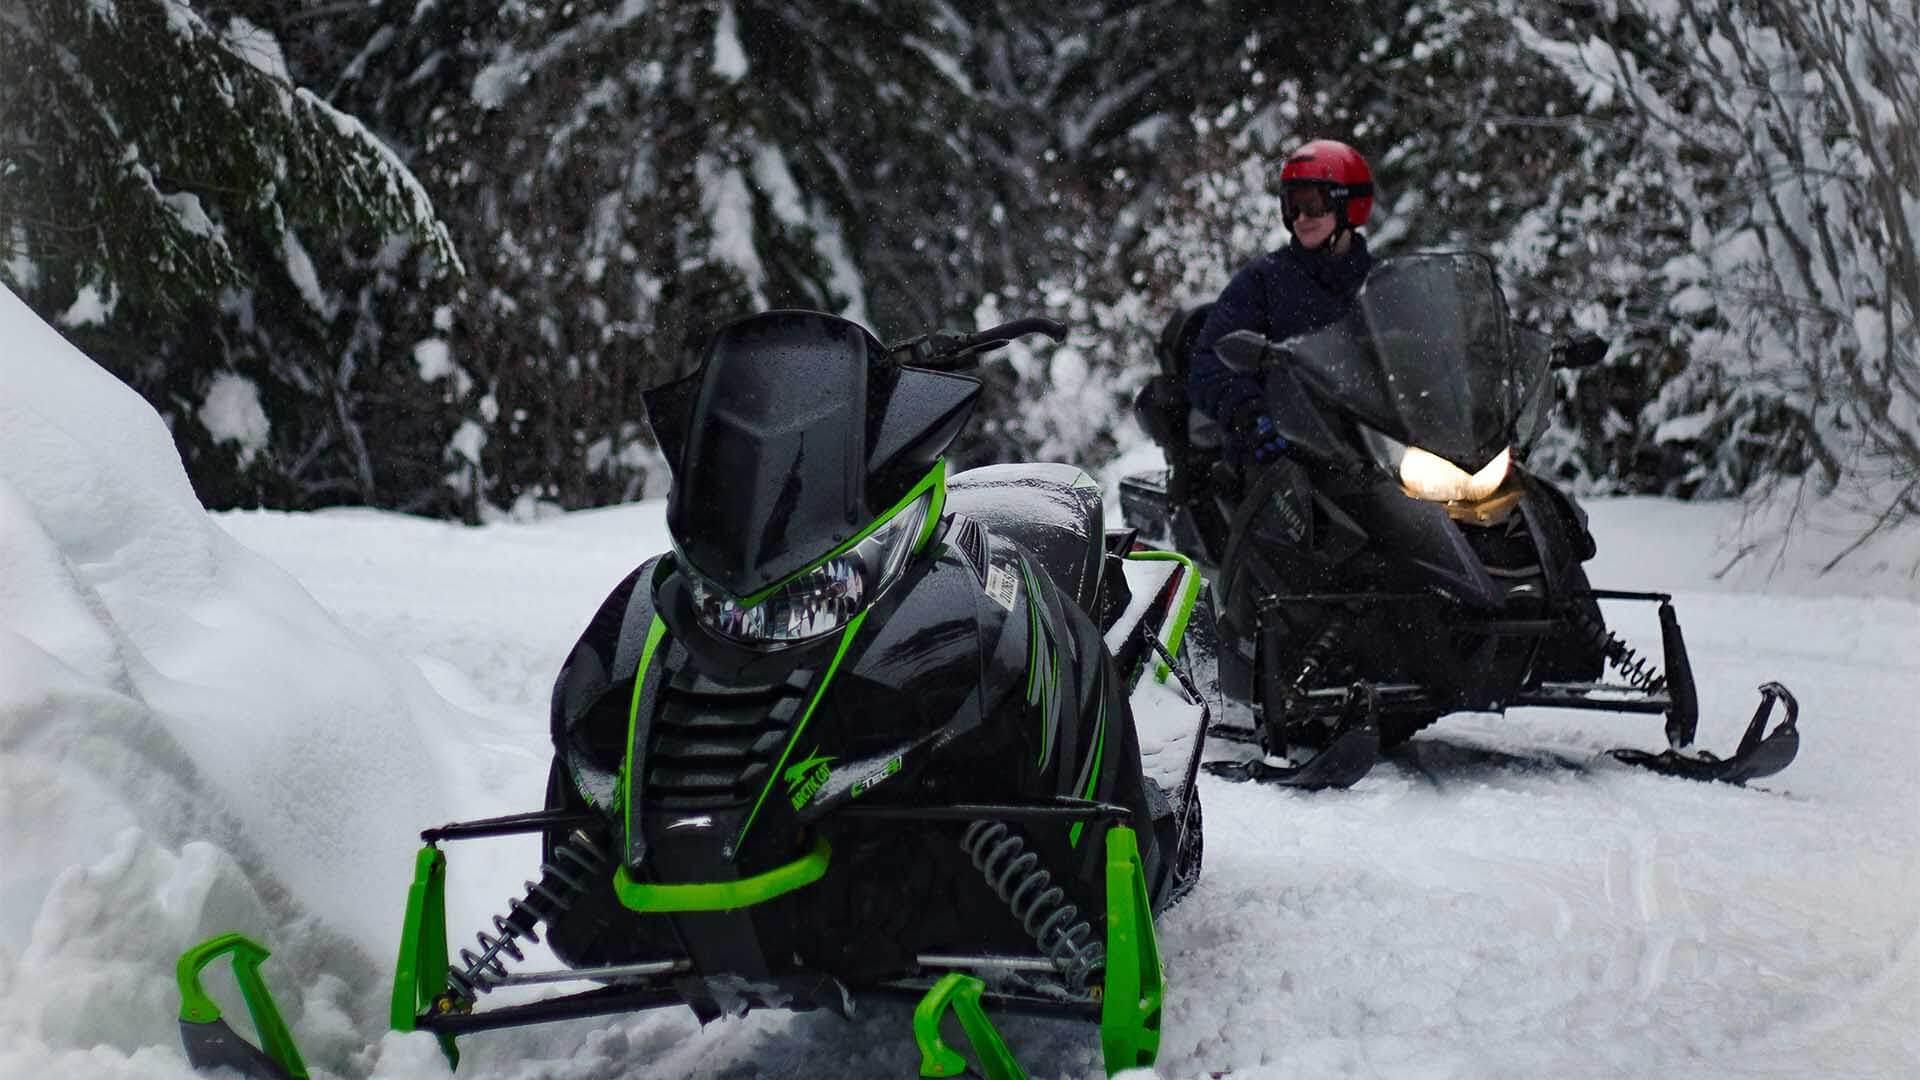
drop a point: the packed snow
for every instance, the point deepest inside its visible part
(241, 721)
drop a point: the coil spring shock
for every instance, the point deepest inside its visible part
(1000, 854)
(1638, 670)
(1321, 650)
(577, 861)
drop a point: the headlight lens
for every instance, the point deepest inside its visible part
(821, 599)
(1429, 476)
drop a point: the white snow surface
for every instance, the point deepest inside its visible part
(242, 720)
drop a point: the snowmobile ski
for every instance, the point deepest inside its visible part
(209, 1041)
(1759, 754)
(961, 993)
(1344, 761)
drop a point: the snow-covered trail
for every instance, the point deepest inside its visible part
(242, 721)
(1497, 900)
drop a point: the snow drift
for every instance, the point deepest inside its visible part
(186, 738)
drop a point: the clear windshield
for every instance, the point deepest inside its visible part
(1430, 357)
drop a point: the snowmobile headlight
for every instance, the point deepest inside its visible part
(821, 598)
(1434, 478)
(1426, 475)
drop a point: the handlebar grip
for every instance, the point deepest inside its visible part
(945, 350)
(1007, 331)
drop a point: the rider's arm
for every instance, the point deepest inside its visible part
(1212, 386)
(1233, 399)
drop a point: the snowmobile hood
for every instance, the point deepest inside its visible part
(1429, 356)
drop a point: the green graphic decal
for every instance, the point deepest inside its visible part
(820, 691)
(656, 632)
(807, 777)
(1092, 780)
(1043, 667)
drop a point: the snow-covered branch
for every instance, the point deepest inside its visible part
(1805, 116)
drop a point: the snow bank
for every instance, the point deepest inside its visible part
(162, 687)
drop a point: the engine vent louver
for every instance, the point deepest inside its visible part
(712, 746)
(969, 540)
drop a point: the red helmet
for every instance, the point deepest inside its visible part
(1336, 169)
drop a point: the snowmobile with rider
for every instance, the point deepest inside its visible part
(867, 732)
(1398, 562)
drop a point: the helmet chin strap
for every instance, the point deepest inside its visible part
(1340, 226)
(1337, 243)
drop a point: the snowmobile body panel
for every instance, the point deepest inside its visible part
(974, 680)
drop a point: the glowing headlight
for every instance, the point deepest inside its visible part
(1429, 476)
(821, 598)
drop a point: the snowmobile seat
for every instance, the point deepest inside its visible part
(1052, 509)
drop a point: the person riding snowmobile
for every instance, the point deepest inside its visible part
(1327, 195)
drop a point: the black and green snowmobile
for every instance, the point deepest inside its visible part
(867, 732)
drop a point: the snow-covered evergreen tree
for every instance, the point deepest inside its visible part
(1785, 139)
(1472, 144)
(627, 177)
(622, 177)
(163, 184)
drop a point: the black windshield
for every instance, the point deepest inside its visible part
(1429, 356)
(773, 473)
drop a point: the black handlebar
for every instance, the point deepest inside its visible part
(1007, 331)
(947, 350)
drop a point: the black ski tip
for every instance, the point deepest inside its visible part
(214, 1045)
(1237, 772)
(1340, 765)
(1771, 755)
(1760, 754)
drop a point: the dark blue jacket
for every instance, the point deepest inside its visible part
(1281, 294)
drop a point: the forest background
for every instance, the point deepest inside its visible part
(426, 254)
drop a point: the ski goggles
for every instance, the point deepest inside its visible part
(1306, 200)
